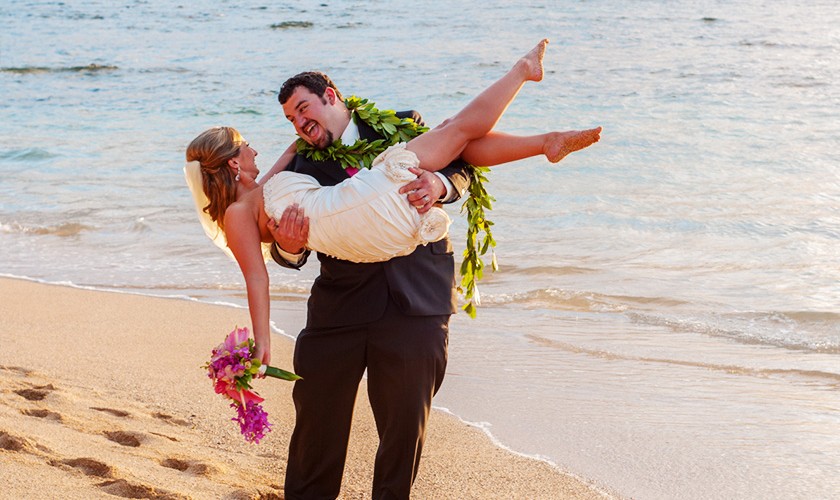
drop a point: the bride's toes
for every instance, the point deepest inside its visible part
(533, 61)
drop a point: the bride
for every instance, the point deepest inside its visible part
(364, 218)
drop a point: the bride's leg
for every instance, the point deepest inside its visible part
(496, 148)
(444, 143)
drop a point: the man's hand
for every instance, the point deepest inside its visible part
(424, 191)
(292, 231)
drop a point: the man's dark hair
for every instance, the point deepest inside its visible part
(314, 81)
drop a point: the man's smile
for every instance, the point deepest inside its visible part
(310, 129)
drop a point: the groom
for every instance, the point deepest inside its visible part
(389, 318)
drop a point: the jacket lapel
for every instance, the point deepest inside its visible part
(365, 130)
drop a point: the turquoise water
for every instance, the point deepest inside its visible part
(665, 321)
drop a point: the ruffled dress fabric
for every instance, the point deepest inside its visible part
(364, 218)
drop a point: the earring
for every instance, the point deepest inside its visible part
(237, 174)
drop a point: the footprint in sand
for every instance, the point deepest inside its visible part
(18, 369)
(45, 414)
(189, 466)
(13, 443)
(116, 413)
(248, 495)
(36, 393)
(122, 488)
(164, 436)
(133, 439)
(87, 466)
(170, 419)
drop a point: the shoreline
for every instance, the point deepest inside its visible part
(185, 445)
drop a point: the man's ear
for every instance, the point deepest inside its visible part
(330, 95)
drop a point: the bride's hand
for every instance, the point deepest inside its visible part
(262, 352)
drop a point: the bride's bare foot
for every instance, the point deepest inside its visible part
(560, 144)
(532, 62)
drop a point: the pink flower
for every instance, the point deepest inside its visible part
(232, 367)
(253, 421)
(235, 339)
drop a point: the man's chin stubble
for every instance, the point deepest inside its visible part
(326, 141)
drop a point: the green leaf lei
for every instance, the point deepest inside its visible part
(394, 130)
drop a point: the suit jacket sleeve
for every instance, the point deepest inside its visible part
(457, 172)
(285, 263)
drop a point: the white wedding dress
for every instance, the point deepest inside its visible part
(364, 218)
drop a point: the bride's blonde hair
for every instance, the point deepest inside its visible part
(212, 149)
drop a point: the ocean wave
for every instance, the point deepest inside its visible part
(350, 25)
(281, 292)
(222, 112)
(246, 111)
(64, 230)
(801, 331)
(140, 226)
(27, 154)
(548, 270)
(291, 25)
(174, 69)
(830, 378)
(30, 70)
(485, 427)
(570, 300)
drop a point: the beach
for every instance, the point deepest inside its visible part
(103, 394)
(665, 319)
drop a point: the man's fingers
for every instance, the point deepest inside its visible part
(304, 230)
(291, 218)
(411, 186)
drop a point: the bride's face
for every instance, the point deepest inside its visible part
(245, 159)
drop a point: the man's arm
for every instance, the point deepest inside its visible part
(458, 174)
(288, 260)
(290, 234)
(281, 164)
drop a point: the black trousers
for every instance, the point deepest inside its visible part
(405, 357)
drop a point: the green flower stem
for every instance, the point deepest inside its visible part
(270, 371)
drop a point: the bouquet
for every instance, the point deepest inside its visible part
(232, 367)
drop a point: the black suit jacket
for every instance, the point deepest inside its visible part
(347, 293)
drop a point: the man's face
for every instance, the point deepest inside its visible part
(316, 118)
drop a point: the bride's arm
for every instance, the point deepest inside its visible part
(280, 165)
(243, 238)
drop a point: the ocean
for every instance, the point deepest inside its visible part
(665, 321)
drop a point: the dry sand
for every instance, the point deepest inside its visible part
(102, 394)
